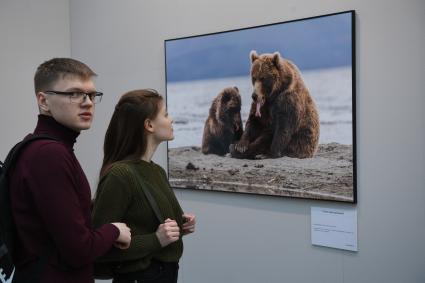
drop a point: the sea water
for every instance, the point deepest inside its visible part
(188, 104)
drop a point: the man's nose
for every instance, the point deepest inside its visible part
(87, 101)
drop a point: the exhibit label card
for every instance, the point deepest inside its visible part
(334, 228)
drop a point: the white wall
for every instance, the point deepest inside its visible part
(243, 238)
(31, 32)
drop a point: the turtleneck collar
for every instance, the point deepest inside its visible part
(49, 126)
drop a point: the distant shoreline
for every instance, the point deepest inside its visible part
(328, 175)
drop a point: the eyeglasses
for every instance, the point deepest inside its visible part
(79, 96)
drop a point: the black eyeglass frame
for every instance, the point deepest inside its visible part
(91, 95)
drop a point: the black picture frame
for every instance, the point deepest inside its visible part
(199, 67)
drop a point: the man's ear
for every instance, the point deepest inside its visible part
(42, 101)
(148, 125)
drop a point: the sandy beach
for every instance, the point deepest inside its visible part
(328, 175)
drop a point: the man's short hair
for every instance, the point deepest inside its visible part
(51, 71)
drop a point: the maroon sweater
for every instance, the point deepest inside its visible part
(51, 204)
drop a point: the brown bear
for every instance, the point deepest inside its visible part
(223, 125)
(284, 119)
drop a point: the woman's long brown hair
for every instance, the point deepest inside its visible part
(125, 138)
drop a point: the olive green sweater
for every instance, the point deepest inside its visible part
(119, 198)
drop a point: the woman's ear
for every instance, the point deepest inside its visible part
(148, 125)
(42, 102)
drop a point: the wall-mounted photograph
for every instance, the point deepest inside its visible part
(265, 110)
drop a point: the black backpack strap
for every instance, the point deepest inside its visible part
(145, 189)
(16, 150)
(3, 250)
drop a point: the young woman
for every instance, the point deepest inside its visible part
(139, 124)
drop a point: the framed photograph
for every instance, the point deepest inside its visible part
(265, 110)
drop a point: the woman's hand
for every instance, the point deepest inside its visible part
(189, 223)
(168, 232)
(124, 239)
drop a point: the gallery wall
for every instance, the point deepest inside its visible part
(247, 238)
(30, 33)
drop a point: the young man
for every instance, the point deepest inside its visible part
(50, 194)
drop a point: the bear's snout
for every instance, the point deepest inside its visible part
(254, 96)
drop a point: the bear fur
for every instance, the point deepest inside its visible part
(223, 125)
(283, 120)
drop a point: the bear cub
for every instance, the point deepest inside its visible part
(224, 124)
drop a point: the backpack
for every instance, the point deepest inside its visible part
(7, 225)
(106, 270)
